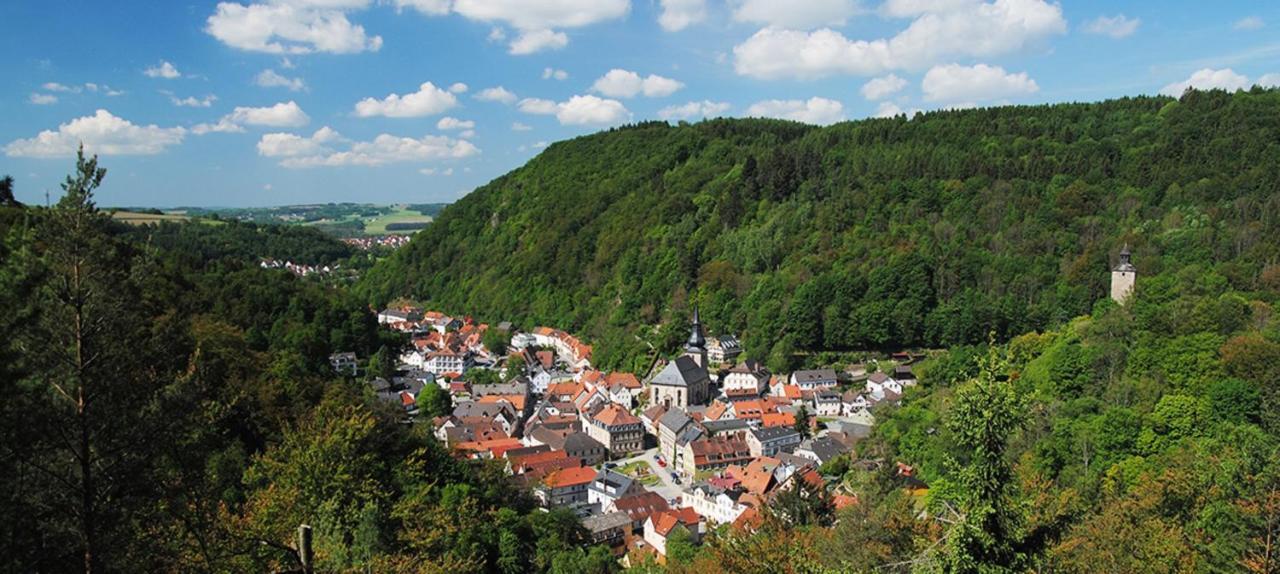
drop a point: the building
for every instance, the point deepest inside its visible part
(881, 386)
(343, 363)
(443, 361)
(639, 506)
(827, 403)
(769, 441)
(402, 315)
(1123, 277)
(814, 380)
(670, 427)
(714, 453)
(620, 431)
(821, 449)
(746, 379)
(591, 451)
(611, 529)
(609, 486)
(565, 487)
(685, 380)
(661, 525)
(723, 349)
(718, 505)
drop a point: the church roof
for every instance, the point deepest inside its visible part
(682, 372)
(696, 338)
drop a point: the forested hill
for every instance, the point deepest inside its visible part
(932, 230)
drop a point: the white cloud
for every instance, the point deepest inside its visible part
(537, 106)
(450, 123)
(497, 94)
(531, 41)
(428, 100)
(887, 110)
(1269, 81)
(270, 79)
(428, 7)
(291, 27)
(42, 99)
(578, 110)
(519, 127)
(956, 83)
(552, 73)
(291, 145)
(821, 111)
(805, 15)
(299, 152)
(1208, 79)
(56, 87)
(497, 34)
(913, 8)
(680, 14)
(194, 102)
(101, 133)
(539, 144)
(703, 109)
(1118, 26)
(458, 88)
(626, 84)
(882, 87)
(981, 29)
(538, 21)
(1249, 23)
(163, 70)
(434, 171)
(282, 115)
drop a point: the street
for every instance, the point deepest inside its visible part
(668, 489)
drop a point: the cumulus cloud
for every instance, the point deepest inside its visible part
(956, 83)
(796, 15)
(428, 7)
(519, 127)
(291, 27)
(282, 115)
(941, 30)
(578, 110)
(691, 110)
(326, 148)
(56, 87)
(539, 21)
(887, 110)
(554, 74)
(619, 83)
(458, 88)
(102, 133)
(1269, 81)
(1249, 23)
(292, 145)
(882, 87)
(496, 94)
(537, 106)
(1118, 26)
(821, 111)
(268, 78)
(450, 123)
(1208, 79)
(680, 14)
(162, 70)
(428, 100)
(42, 99)
(193, 102)
(531, 41)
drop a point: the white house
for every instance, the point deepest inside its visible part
(443, 361)
(827, 403)
(880, 384)
(749, 377)
(814, 380)
(717, 505)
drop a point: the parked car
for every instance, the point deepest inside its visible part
(662, 463)
(610, 465)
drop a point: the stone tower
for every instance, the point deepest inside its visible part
(1123, 277)
(696, 347)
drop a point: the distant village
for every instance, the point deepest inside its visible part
(707, 438)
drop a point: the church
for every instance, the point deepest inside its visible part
(684, 381)
(1123, 277)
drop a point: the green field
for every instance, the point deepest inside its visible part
(378, 225)
(135, 218)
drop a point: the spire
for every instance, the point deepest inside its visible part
(696, 339)
(1126, 265)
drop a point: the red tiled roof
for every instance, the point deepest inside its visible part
(570, 477)
(627, 380)
(614, 415)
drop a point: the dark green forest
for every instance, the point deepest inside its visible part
(928, 231)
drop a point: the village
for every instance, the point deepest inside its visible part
(707, 440)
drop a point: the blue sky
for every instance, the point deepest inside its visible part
(275, 102)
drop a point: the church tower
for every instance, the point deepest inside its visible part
(1123, 277)
(696, 347)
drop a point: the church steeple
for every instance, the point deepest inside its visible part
(696, 347)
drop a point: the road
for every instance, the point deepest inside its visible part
(668, 489)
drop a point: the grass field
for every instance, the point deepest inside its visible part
(378, 225)
(135, 218)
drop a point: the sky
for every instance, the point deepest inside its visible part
(277, 102)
